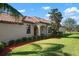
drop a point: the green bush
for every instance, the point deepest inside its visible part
(24, 39)
(5, 44)
(39, 38)
(59, 34)
(11, 42)
(30, 39)
(2, 46)
(34, 38)
(18, 41)
(43, 36)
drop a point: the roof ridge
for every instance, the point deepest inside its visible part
(32, 19)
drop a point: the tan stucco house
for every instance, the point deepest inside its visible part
(13, 28)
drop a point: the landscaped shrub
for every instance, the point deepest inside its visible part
(24, 39)
(18, 41)
(5, 44)
(59, 34)
(30, 39)
(2, 46)
(11, 42)
(38, 37)
(34, 38)
(43, 36)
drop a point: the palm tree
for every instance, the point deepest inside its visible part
(4, 7)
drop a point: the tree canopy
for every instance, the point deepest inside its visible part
(55, 17)
(77, 28)
(69, 23)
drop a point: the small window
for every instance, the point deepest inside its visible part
(28, 29)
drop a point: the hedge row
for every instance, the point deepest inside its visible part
(24, 39)
(2, 46)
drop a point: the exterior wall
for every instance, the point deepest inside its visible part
(13, 31)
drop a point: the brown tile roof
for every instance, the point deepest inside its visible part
(7, 18)
(35, 20)
(41, 20)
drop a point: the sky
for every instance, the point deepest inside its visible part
(41, 9)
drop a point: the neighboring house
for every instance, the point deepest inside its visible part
(12, 28)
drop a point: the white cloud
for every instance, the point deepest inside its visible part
(47, 15)
(71, 11)
(22, 10)
(74, 17)
(46, 7)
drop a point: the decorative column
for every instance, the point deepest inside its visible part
(47, 30)
(39, 31)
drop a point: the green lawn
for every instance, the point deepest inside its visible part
(67, 45)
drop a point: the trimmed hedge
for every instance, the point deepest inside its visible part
(38, 38)
(24, 39)
(11, 42)
(34, 38)
(18, 41)
(29, 39)
(2, 46)
(5, 44)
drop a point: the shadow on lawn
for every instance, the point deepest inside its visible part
(73, 37)
(68, 36)
(62, 35)
(53, 50)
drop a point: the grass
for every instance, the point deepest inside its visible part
(64, 46)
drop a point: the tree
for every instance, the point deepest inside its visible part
(77, 28)
(4, 7)
(70, 23)
(55, 17)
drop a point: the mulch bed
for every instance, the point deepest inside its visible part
(11, 47)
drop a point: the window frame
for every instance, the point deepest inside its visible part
(28, 29)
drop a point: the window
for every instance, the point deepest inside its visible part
(28, 29)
